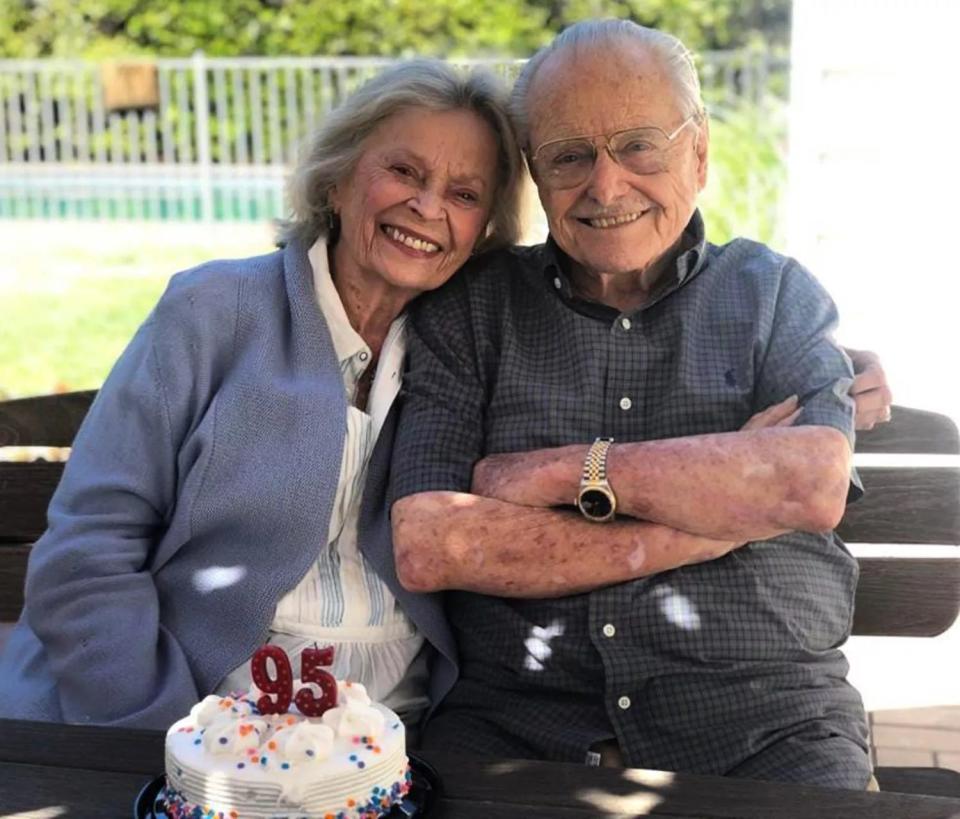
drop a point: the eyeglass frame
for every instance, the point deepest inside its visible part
(694, 117)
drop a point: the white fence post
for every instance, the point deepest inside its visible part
(201, 114)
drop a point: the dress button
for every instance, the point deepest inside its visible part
(624, 703)
(609, 630)
(364, 356)
(557, 283)
(625, 323)
(625, 403)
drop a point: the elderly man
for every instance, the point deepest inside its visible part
(671, 592)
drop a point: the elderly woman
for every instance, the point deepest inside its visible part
(226, 486)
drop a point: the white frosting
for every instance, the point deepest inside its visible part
(304, 742)
(233, 736)
(355, 719)
(352, 692)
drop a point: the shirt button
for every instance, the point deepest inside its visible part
(557, 283)
(625, 403)
(609, 630)
(625, 323)
(364, 356)
(624, 703)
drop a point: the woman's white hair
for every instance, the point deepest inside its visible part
(332, 153)
(675, 56)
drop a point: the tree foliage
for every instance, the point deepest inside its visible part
(392, 28)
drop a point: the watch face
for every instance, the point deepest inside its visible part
(595, 504)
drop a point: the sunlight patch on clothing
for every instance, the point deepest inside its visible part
(538, 645)
(677, 608)
(218, 577)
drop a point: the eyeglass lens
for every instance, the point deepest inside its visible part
(568, 163)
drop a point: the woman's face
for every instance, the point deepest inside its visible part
(418, 200)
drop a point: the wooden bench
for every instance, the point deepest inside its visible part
(903, 504)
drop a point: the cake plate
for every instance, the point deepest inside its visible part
(424, 791)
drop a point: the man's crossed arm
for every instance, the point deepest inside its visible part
(689, 500)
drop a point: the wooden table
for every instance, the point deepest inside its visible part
(49, 770)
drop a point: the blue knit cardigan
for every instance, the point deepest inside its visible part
(198, 491)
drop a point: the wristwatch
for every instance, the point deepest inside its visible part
(596, 499)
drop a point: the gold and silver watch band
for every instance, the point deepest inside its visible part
(595, 464)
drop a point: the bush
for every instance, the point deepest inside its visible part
(748, 173)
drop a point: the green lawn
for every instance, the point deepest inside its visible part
(74, 294)
(68, 339)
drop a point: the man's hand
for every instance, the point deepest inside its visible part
(870, 390)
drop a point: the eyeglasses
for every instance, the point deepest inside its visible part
(566, 163)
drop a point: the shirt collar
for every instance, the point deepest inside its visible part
(347, 342)
(688, 262)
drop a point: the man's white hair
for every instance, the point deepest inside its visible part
(674, 55)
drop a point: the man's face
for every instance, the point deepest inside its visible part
(616, 221)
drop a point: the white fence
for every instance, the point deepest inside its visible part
(220, 137)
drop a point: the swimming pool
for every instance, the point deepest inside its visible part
(140, 192)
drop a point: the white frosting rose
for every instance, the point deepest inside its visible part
(233, 736)
(303, 742)
(352, 692)
(209, 710)
(354, 719)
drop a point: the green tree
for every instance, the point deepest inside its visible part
(100, 28)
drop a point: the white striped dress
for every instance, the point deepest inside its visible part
(341, 601)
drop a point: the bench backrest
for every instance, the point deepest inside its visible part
(904, 503)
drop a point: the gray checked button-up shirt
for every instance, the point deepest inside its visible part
(696, 669)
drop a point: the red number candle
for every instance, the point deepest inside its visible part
(311, 660)
(281, 684)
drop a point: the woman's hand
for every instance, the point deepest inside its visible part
(778, 415)
(870, 390)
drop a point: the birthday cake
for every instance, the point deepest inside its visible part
(229, 760)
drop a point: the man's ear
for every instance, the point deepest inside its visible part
(702, 147)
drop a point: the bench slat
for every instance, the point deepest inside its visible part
(13, 570)
(912, 431)
(25, 491)
(905, 505)
(895, 597)
(46, 420)
(52, 420)
(906, 597)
